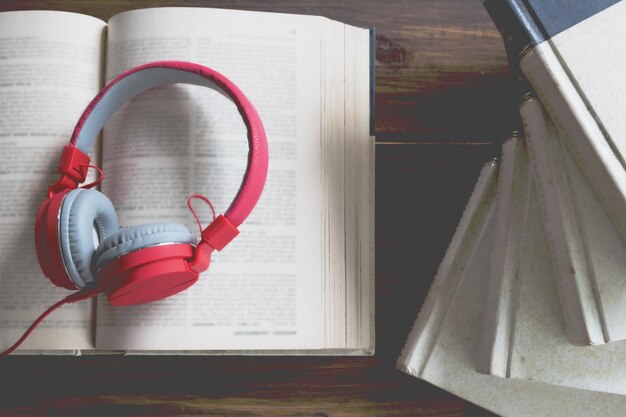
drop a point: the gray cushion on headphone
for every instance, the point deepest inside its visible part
(137, 237)
(81, 210)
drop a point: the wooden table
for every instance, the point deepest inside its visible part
(443, 105)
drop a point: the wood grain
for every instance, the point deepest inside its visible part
(441, 72)
(443, 103)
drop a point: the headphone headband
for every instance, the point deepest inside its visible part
(135, 81)
(142, 263)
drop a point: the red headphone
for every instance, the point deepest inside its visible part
(143, 263)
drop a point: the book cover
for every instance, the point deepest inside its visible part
(424, 336)
(460, 297)
(571, 54)
(587, 253)
(589, 250)
(506, 268)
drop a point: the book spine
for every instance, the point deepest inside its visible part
(511, 215)
(425, 331)
(516, 24)
(566, 244)
(525, 24)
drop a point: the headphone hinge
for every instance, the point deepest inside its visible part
(214, 237)
(219, 233)
(201, 258)
(73, 168)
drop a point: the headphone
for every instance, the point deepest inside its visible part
(149, 262)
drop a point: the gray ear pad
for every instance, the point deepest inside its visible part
(138, 237)
(80, 211)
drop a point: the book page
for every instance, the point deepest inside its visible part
(264, 290)
(47, 77)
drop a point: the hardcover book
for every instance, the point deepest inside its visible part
(514, 193)
(454, 332)
(588, 255)
(571, 52)
(556, 44)
(299, 279)
(537, 348)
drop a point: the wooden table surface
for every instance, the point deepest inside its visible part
(443, 104)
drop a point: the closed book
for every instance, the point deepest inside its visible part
(537, 347)
(572, 54)
(588, 255)
(448, 332)
(514, 192)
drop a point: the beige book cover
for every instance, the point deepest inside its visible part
(572, 54)
(538, 346)
(505, 270)
(588, 255)
(453, 329)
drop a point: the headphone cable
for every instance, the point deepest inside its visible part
(84, 294)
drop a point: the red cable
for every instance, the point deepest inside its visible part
(72, 298)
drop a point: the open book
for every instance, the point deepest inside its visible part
(299, 278)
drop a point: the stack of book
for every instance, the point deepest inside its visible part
(527, 312)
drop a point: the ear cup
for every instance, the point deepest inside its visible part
(145, 263)
(137, 237)
(81, 211)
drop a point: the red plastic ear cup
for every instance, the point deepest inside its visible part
(62, 223)
(47, 242)
(148, 274)
(145, 263)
